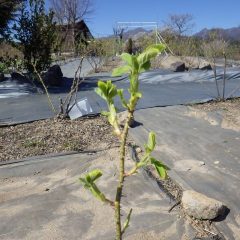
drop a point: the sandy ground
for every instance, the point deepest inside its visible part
(225, 113)
(204, 156)
(44, 200)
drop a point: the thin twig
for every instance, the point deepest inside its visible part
(45, 88)
(64, 105)
(176, 204)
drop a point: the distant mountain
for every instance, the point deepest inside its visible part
(134, 33)
(229, 34)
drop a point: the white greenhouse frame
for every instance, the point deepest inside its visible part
(152, 25)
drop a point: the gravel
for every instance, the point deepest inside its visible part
(54, 136)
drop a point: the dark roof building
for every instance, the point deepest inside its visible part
(69, 34)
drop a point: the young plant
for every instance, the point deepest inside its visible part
(135, 64)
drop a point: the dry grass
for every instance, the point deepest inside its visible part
(9, 51)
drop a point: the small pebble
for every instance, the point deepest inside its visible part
(201, 163)
(47, 189)
(138, 150)
(216, 162)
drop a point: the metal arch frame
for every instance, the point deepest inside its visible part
(126, 25)
(153, 25)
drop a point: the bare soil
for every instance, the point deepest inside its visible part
(54, 136)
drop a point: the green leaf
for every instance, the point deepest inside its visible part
(160, 167)
(112, 113)
(127, 58)
(106, 90)
(151, 52)
(121, 70)
(138, 94)
(152, 140)
(145, 66)
(131, 60)
(88, 182)
(105, 113)
(111, 90)
(95, 174)
(123, 100)
(102, 90)
(92, 176)
(100, 93)
(149, 147)
(134, 84)
(112, 118)
(127, 221)
(85, 183)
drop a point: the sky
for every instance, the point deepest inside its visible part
(206, 13)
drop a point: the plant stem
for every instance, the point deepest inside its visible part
(121, 178)
(224, 76)
(46, 90)
(132, 172)
(215, 77)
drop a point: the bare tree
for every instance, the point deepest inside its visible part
(97, 53)
(213, 49)
(180, 24)
(67, 104)
(69, 12)
(118, 34)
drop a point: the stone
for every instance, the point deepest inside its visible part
(54, 76)
(200, 206)
(201, 163)
(206, 67)
(179, 67)
(18, 76)
(2, 78)
(138, 150)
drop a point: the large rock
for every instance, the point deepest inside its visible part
(54, 76)
(179, 67)
(18, 76)
(200, 206)
(2, 78)
(206, 67)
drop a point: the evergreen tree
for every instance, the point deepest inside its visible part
(8, 10)
(36, 33)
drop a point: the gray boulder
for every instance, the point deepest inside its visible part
(54, 76)
(2, 78)
(179, 67)
(200, 206)
(206, 67)
(18, 76)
